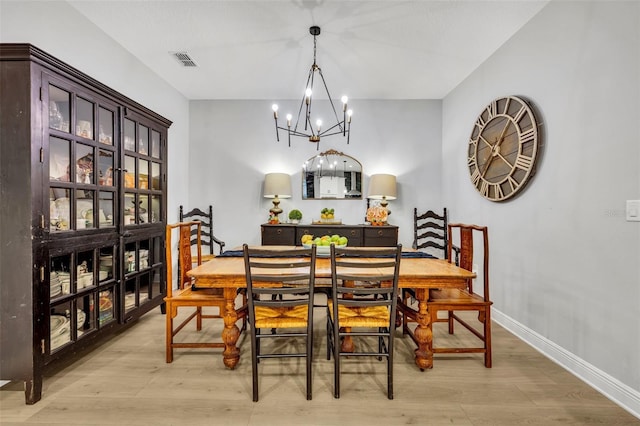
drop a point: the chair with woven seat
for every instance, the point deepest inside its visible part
(184, 296)
(289, 275)
(362, 306)
(456, 300)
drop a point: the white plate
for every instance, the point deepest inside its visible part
(323, 251)
(81, 318)
(58, 323)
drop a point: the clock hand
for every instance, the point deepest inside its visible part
(486, 165)
(485, 141)
(501, 138)
(495, 149)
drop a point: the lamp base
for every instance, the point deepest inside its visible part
(275, 210)
(384, 203)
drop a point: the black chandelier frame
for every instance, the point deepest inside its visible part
(315, 134)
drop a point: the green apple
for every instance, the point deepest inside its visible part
(316, 241)
(343, 241)
(335, 237)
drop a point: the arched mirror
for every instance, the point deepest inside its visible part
(332, 175)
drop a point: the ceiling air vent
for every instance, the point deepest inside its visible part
(184, 59)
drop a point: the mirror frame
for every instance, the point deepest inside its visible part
(309, 175)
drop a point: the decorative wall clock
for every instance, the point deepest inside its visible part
(503, 148)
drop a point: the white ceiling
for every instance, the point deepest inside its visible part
(416, 49)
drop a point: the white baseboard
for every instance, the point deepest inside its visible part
(612, 388)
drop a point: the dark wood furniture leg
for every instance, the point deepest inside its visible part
(33, 390)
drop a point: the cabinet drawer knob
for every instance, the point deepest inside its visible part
(380, 233)
(278, 231)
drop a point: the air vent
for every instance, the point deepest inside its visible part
(184, 59)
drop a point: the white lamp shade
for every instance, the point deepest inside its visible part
(277, 185)
(382, 185)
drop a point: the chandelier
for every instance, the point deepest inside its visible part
(309, 131)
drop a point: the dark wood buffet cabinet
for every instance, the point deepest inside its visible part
(83, 177)
(358, 235)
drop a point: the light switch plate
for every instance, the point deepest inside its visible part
(633, 210)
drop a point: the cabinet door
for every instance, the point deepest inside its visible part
(79, 281)
(143, 171)
(143, 265)
(279, 235)
(81, 159)
(380, 236)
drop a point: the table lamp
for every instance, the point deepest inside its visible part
(383, 187)
(276, 186)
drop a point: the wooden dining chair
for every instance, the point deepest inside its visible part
(362, 306)
(183, 295)
(453, 301)
(429, 234)
(280, 288)
(209, 242)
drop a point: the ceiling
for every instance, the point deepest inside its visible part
(416, 49)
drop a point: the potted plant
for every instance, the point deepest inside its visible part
(295, 216)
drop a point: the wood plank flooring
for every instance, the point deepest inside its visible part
(126, 381)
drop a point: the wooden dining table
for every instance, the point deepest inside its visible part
(419, 273)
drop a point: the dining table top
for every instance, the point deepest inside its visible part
(415, 272)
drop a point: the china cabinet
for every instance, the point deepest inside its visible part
(83, 183)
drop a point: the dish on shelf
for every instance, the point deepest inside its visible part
(81, 317)
(129, 301)
(59, 324)
(55, 291)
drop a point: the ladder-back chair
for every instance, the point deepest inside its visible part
(208, 240)
(280, 302)
(363, 310)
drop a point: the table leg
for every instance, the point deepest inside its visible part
(423, 333)
(231, 332)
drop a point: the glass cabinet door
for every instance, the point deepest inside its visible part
(82, 159)
(78, 280)
(143, 201)
(143, 268)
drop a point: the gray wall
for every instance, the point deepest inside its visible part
(565, 266)
(233, 144)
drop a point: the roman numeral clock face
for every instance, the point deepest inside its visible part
(503, 148)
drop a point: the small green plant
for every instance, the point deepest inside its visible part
(295, 214)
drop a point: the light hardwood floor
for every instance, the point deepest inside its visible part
(126, 381)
